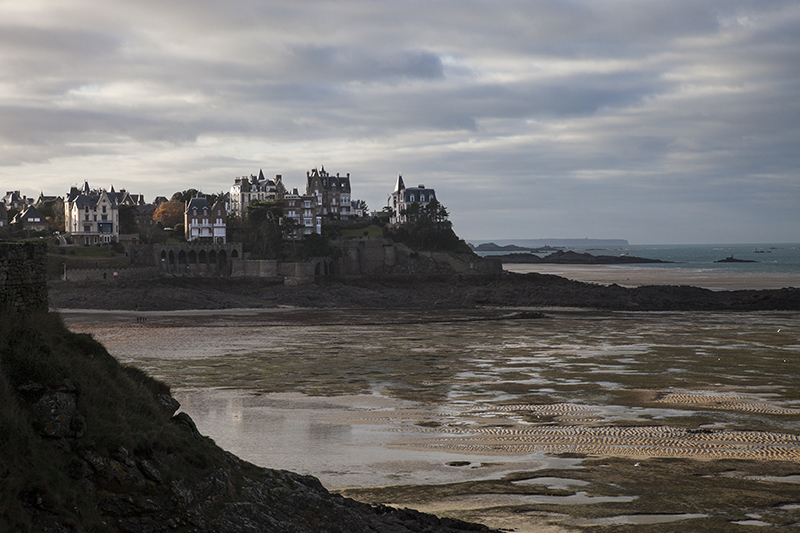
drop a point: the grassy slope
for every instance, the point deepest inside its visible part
(117, 402)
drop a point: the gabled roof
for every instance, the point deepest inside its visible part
(219, 204)
(197, 203)
(29, 213)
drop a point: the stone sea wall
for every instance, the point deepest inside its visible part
(376, 256)
(23, 277)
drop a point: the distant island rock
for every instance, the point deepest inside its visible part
(732, 259)
(560, 243)
(574, 258)
(492, 247)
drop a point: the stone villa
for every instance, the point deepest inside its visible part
(403, 197)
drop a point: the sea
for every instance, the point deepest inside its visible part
(767, 258)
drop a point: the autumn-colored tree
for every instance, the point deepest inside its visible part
(169, 214)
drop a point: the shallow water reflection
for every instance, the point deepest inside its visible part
(582, 369)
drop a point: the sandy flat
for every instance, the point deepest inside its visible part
(635, 276)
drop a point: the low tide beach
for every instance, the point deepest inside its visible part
(577, 419)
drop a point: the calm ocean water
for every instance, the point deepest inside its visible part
(769, 258)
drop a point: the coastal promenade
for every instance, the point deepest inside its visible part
(637, 276)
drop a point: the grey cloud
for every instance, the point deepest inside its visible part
(335, 63)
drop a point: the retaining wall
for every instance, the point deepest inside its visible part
(23, 277)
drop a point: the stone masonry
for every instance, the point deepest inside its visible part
(23, 277)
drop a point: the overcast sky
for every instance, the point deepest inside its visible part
(649, 120)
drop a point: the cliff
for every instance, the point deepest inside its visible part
(89, 444)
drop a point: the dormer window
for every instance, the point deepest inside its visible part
(411, 198)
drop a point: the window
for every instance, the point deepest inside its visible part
(104, 217)
(104, 210)
(411, 198)
(87, 228)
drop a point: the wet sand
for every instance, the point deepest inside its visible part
(450, 412)
(636, 276)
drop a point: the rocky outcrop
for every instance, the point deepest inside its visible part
(136, 492)
(417, 290)
(569, 257)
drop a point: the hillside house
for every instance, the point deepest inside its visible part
(15, 200)
(30, 219)
(403, 197)
(91, 216)
(332, 193)
(246, 189)
(204, 223)
(303, 209)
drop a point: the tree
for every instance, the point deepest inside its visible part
(185, 196)
(127, 219)
(429, 228)
(53, 211)
(263, 234)
(188, 194)
(169, 214)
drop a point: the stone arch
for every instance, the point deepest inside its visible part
(234, 254)
(171, 257)
(203, 257)
(222, 258)
(192, 257)
(212, 257)
(182, 257)
(163, 256)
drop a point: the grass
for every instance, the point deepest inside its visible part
(371, 231)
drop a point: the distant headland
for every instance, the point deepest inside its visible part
(519, 244)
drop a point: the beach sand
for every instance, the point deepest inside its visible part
(636, 276)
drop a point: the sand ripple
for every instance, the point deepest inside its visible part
(659, 441)
(726, 403)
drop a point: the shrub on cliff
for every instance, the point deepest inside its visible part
(429, 228)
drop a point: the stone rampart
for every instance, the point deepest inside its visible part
(257, 268)
(376, 256)
(23, 277)
(110, 274)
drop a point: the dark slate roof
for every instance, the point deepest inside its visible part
(29, 213)
(84, 201)
(199, 203)
(417, 192)
(399, 186)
